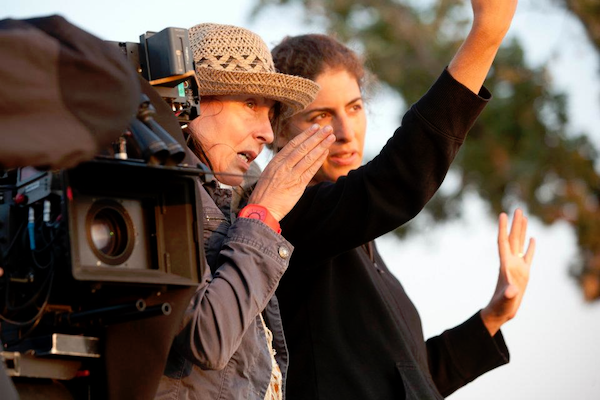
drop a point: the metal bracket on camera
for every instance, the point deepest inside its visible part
(165, 60)
(56, 356)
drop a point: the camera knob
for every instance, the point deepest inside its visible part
(20, 199)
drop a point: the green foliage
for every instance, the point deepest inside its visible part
(518, 151)
(588, 12)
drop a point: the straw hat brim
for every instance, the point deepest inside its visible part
(294, 92)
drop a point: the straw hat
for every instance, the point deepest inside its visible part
(230, 60)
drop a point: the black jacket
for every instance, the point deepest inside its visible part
(351, 330)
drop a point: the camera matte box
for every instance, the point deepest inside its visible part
(161, 205)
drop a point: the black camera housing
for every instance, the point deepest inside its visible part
(154, 209)
(165, 60)
(91, 254)
(149, 212)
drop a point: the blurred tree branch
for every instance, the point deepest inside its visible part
(588, 12)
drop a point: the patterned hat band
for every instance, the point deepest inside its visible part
(230, 60)
(235, 63)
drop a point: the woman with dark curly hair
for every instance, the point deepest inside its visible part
(352, 331)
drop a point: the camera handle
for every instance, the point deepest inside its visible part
(146, 113)
(153, 150)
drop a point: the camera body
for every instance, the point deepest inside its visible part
(152, 211)
(95, 246)
(165, 60)
(82, 246)
(117, 221)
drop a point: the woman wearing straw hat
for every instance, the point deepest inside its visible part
(352, 331)
(231, 342)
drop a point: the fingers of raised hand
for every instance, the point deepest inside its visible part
(523, 235)
(287, 175)
(295, 151)
(303, 143)
(310, 150)
(314, 158)
(514, 236)
(530, 251)
(519, 230)
(310, 171)
(292, 144)
(301, 149)
(513, 243)
(503, 245)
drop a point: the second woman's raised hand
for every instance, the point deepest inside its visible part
(513, 277)
(284, 179)
(472, 62)
(493, 17)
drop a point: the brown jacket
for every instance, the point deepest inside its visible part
(221, 351)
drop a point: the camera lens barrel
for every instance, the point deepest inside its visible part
(110, 231)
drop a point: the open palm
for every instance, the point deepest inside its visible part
(515, 265)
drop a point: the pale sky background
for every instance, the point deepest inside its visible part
(449, 270)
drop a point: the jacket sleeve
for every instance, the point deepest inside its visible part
(394, 187)
(251, 262)
(462, 354)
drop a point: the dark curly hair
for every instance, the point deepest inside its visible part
(309, 55)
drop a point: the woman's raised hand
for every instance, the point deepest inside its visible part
(515, 264)
(493, 16)
(284, 179)
(491, 21)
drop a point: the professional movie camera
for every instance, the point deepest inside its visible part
(96, 245)
(165, 61)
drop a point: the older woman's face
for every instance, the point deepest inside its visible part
(339, 104)
(233, 131)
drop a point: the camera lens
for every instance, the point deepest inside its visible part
(110, 232)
